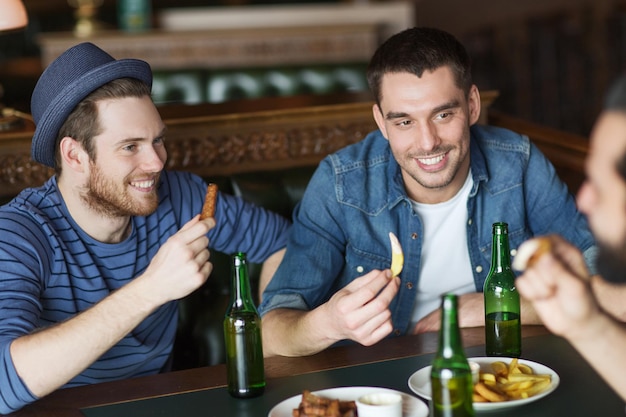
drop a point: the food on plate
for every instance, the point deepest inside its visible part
(512, 381)
(530, 251)
(397, 257)
(483, 393)
(208, 209)
(313, 405)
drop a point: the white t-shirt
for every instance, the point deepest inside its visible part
(445, 266)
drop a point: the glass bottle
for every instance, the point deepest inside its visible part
(242, 335)
(503, 331)
(134, 15)
(450, 375)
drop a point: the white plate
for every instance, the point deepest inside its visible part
(419, 383)
(411, 406)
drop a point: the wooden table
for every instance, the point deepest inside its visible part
(204, 388)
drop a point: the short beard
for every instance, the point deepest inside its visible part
(611, 263)
(103, 196)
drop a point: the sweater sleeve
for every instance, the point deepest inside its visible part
(240, 225)
(13, 392)
(21, 263)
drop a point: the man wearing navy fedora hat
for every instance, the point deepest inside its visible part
(92, 262)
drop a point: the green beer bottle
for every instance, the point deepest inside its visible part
(503, 331)
(242, 335)
(450, 376)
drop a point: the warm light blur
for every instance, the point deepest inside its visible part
(12, 15)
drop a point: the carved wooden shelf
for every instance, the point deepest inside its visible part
(292, 134)
(229, 48)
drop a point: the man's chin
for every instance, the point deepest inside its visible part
(146, 209)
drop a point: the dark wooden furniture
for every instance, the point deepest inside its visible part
(201, 391)
(552, 60)
(274, 134)
(68, 402)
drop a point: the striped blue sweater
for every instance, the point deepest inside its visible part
(50, 270)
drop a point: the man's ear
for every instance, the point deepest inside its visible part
(380, 119)
(473, 101)
(73, 155)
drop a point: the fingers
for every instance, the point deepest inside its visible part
(196, 224)
(550, 273)
(368, 286)
(363, 306)
(566, 253)
(569, 256)
(534, 286)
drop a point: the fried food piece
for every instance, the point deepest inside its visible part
(530, 251)
(397, 256)
(208, 209)
(315, 406)
(490, 393)
(511, 381)
(477, 398)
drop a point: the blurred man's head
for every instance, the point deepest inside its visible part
(603, 195)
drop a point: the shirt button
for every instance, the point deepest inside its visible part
(409, 285)
(469, 221)
(479, 269)
(413, 235)
(397, 332)
(359, 269)
(513, 252)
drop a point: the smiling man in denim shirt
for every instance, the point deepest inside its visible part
(436, 180)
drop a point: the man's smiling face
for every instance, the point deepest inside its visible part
(426, 121)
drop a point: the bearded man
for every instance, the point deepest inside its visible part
(563, 292)
(92, 262)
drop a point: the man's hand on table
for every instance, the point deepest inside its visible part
(471, 314)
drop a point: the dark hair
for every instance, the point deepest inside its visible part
(417, 50)
(83, 123)
(616, 101)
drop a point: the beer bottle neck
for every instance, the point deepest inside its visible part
(450, 342)
(240, 292)
(500, 253)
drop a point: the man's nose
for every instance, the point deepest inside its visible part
(154, 159)
(427, 136)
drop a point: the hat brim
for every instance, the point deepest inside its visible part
(47, 130)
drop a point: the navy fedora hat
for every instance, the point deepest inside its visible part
(69, 79)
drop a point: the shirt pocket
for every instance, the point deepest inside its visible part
(360, 261)
(517, 236)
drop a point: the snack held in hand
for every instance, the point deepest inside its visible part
(511, 381)
(397, 257)
(529, 252)
(208, 209)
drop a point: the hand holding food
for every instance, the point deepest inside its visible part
(509, 382)
(530, 251)
(208, 209)
(397, 257)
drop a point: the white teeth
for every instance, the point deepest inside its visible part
(431, 161)
(143, 184)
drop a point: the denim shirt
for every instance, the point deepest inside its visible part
(357, 196)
